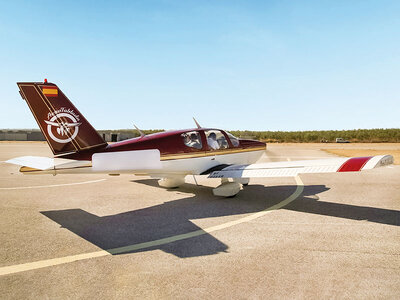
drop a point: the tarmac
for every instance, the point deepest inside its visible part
(97, 236)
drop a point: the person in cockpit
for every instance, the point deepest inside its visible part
(212, 141)
(194, 141)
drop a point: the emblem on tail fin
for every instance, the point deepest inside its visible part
(64, 131)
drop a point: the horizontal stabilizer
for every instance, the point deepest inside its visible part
(47, 163)
(293, 168)
(36, 162)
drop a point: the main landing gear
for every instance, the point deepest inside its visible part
(171, 182)
(230, 189)
(225, 189)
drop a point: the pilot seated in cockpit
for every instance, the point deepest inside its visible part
(212, 141)
(194, 141)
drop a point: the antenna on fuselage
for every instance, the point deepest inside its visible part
(197, 123)
(140, 132)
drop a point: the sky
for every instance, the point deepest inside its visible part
(256, 65)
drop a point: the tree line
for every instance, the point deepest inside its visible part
(328, 136)
(379, 135)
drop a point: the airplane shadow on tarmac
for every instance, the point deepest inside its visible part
(173, 218)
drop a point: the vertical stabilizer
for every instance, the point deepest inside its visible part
(65, 128)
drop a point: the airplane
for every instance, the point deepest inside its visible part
(169, 156)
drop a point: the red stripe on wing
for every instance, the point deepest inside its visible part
(354, 164)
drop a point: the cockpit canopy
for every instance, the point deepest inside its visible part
(215, 139)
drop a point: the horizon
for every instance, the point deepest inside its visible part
(161, 129)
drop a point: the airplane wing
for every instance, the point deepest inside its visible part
(293, 168)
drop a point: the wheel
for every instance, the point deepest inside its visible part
(231, 196)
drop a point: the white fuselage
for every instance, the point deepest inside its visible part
(199, 165)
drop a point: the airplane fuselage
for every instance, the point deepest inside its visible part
(178, 156)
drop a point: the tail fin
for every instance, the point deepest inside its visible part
(64, 127)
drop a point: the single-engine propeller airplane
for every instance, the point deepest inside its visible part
(169, 156)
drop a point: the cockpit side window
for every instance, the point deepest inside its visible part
(216, 140)
(192, 139)
(234, 140)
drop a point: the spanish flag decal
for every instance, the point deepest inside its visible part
(50, 91)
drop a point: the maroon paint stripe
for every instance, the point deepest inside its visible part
(354, 164)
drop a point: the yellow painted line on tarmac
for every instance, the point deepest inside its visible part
(50, 262)
(68, 259)
(52, 185)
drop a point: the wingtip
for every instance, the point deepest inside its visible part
(379, 161)
(386, 160)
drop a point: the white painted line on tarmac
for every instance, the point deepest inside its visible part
(67, 259)
(53, 185)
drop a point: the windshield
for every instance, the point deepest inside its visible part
(234, 140)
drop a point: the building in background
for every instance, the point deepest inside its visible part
(37, 135)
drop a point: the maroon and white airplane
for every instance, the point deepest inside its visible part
(168, 156)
